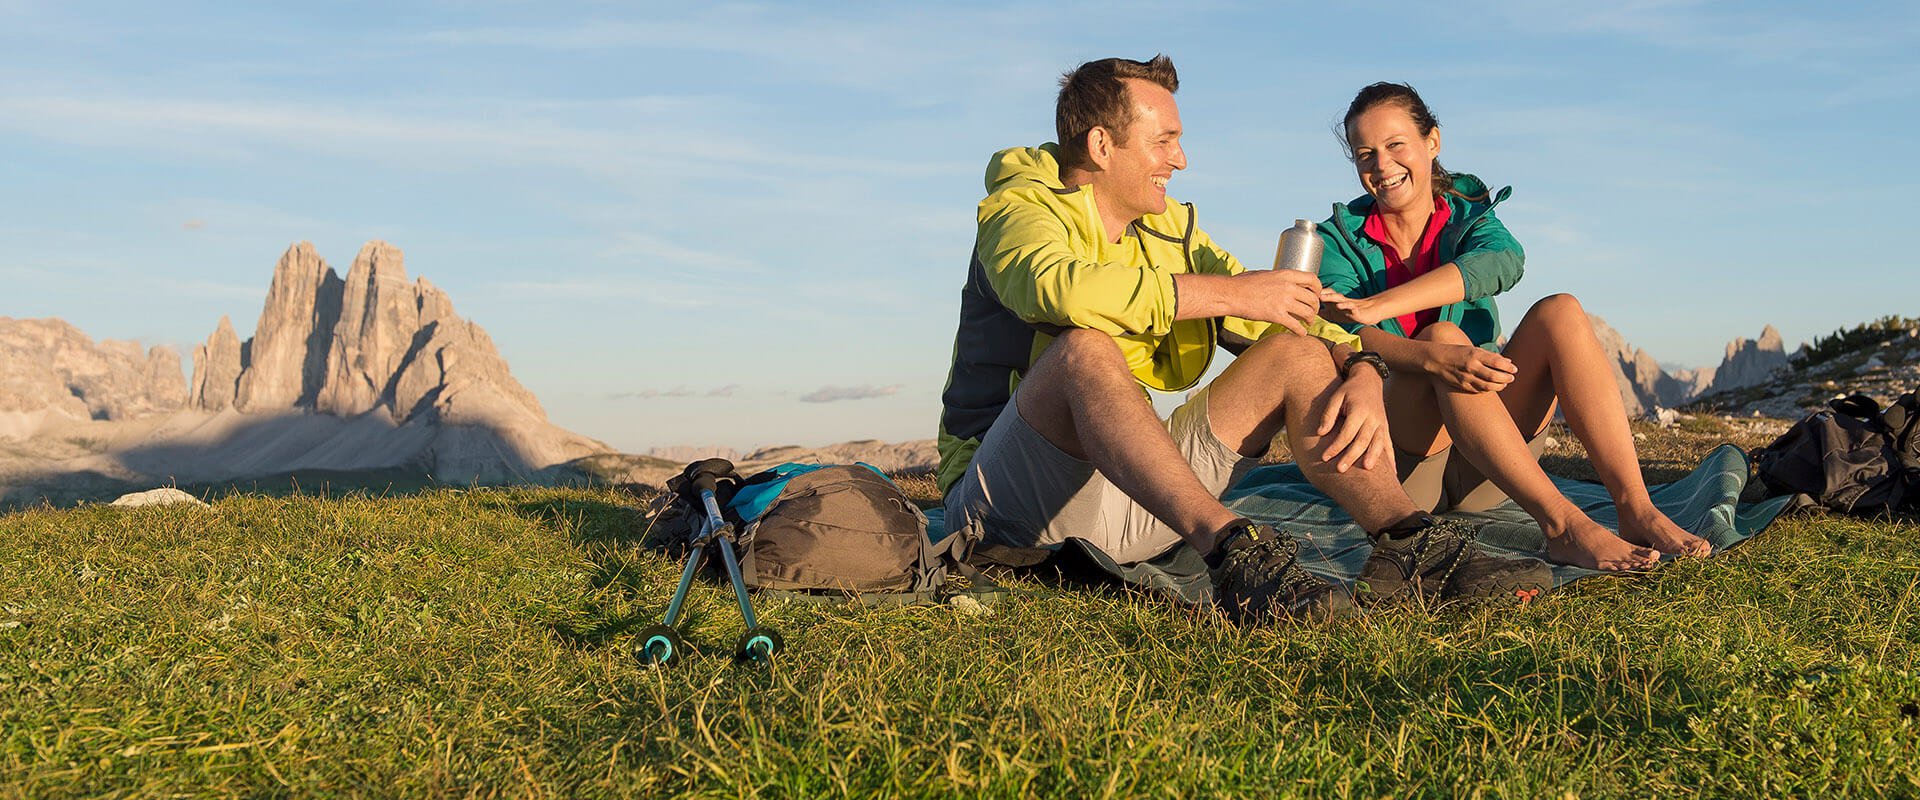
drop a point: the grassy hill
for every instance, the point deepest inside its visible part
(475, 642)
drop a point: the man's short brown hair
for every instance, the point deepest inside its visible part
(1094, 95)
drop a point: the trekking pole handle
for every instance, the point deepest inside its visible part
(705, 475)
(713, 507)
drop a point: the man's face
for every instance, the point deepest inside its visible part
(1141, 159)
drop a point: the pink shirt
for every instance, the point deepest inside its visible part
(1426, 256)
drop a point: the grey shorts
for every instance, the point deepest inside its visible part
(1022, 491)
(1446, 481)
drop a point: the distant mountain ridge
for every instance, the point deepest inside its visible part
(375, 373)
(50, 367)
(372, 372)
(377, 344)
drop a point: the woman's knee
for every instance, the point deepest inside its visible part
(1559, 308)
(1443, 332)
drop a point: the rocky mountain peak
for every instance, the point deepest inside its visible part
(49, 365)
(1749, 363)
(374, 341)
(375, 372)
(1643, 383)
(216, 369)
(379, 317)
(283, 365)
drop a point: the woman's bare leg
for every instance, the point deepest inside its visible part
(1554, 344)
(1483, 427)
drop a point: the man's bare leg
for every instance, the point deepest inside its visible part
(1555, 338)
(1481, 425)
(1281, 382)
(1081, 397)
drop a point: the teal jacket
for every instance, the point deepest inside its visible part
(1490, 260)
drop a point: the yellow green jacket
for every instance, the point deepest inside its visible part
(1041, 265)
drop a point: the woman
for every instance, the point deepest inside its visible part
(1412, 267)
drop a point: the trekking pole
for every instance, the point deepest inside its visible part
(758, 644)
(663, 644)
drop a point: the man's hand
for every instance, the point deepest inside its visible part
(1353, 423)
(1285, 296)
(1337, 307)
(1468, 368)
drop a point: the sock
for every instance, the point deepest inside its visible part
(1417, 521)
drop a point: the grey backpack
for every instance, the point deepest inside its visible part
(844, 533)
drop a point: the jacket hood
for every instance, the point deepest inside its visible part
(1018, 164)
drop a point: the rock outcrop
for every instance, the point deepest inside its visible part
(1881, 364)
(1635, 373)
(1689, 383)
(1750, 363)
(47, 364)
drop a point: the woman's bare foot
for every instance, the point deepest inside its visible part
(1651, 528)
(1585, 543)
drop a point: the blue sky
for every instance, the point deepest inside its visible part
(748, 224)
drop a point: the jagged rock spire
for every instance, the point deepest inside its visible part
(216, 368)
(287, 356)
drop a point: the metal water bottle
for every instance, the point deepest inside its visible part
(1300, 248)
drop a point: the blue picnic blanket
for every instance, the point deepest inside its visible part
(1706, 503)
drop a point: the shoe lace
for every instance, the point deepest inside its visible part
(1277, 556)
(1439, 545)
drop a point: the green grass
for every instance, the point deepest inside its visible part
(476, 643)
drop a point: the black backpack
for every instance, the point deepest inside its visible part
(835, 532)
(1854, 458)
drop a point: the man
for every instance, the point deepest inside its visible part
(1086, 285)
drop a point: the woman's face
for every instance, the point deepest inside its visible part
(1394, 161)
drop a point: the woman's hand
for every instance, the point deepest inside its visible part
(1470, 369)
(1337, 307)
(1353, 424)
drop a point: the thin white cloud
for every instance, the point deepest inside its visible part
(680, 391)
(1744, 33)
(457, 136)
(650, 247)
(611, 289)
(413, 139)
(828, 48)
(834, 394)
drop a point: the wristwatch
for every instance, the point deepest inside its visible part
(1365, 357)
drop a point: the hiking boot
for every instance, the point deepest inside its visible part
(1436, 559)
(1258, 578)
(1507, 579)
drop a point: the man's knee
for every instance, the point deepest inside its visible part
(1289, 354)
(1081, 352)
(1443, 332)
